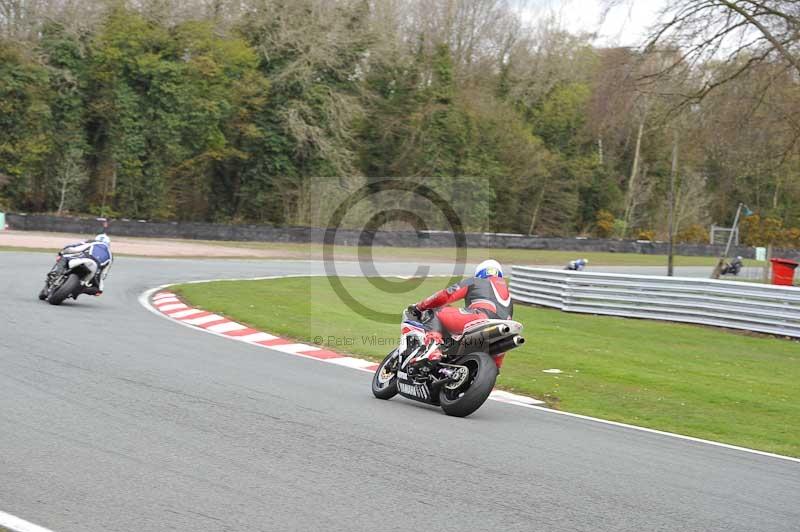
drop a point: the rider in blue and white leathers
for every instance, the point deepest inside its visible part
(577, 265)
(96, 255)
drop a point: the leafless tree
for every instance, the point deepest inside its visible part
(479, 33)
(22, 19)
(545, 56)
(724, 32)
(71, 175)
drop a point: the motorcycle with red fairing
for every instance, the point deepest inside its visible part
(459, 382)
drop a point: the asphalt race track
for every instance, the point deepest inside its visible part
(113, 419)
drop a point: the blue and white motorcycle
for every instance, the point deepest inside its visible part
(70, 276)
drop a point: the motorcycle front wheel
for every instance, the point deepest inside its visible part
(384, 382)
(70, 286)
(471, 386)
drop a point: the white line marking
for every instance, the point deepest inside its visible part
(204, 319)
(350, 362)
(144, 300)
(173, 306)
(292, 349)
(512, 398)
(228, 326)
(16, 524)
(186, 313)
(255, 337)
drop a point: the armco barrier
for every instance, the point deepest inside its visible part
(749, 306)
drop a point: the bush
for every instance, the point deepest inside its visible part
(694, 234)
(646, 234)
(105, 212)
(757, 231)
(620, 228)
(772, 231)
(791, 238)
(604, 225)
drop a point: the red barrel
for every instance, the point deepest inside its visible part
(783, 271)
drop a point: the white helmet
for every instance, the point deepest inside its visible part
(488, 268)
(102, 237)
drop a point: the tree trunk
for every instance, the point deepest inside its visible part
(66, 180)
(600, 149)
(776, 193)
(671, 226)
(63, 196)
(632, 181)
(536, 209)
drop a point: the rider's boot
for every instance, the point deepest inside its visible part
(434, 337)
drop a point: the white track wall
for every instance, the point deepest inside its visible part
(748, 306)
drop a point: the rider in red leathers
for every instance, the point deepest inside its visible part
(486, 295)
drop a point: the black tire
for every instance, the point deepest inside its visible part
(70, 287)
(384, 382)
(467, 397)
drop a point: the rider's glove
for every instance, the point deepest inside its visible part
(412, 310)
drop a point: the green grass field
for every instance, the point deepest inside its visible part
(709, 383)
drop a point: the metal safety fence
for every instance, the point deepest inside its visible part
(738, 305)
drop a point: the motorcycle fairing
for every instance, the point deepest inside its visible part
(76, 263)
(418, 391)
(410, 329)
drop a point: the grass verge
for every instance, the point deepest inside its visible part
(697, 381)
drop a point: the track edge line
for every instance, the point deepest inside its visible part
(17, 524)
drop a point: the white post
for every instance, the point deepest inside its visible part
(715, 274)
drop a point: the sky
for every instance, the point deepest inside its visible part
(624, 25)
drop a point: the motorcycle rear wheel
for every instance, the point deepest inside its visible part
(384, 382)
(70, 287)
(464, 398)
